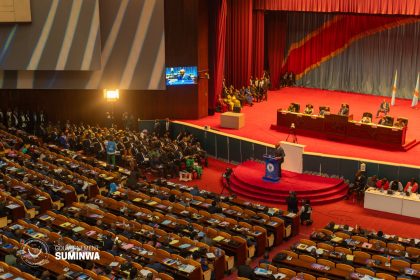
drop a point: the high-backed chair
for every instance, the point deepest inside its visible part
(361, 254)
(307, 258)
(326, 262)
(366, 271)
(400, 263)
(385, 276)
(344, 266)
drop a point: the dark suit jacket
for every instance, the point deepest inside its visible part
(246, 271)
(280, 153)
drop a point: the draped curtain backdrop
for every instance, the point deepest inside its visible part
(250, 35)
(390, 7)
(357, 53)
(258, 43)
(218, 39)
(276, 41)
(239, 42)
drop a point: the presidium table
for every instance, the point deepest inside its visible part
(396, 203)
(343, 128)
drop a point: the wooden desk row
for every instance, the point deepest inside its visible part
(66, 192)
(131, 247)
(219, 222)
(355, 260)
(158, 224)
(343, 128)
(240, 209)
(364, 246)
(371, 234)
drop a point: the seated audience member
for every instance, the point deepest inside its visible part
(157, 266)
(383, 184)
(248, 97)
(400, 123)
(309, 109)
(344, 110)
(10, 257)
(412, 186)
(246, 271)
(213, 209)
(396, 185)
(305, 213)
(330, 226)
(221, 105)
(293, 108)
(367, 118)
(383, 108)
(133, 179)
(371, 182)
(266, 258)
(195, 191)
(108, 243)
(324, 110)
(386, 121)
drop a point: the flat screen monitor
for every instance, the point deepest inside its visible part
(179, 76)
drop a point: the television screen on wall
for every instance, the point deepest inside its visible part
(179, 76)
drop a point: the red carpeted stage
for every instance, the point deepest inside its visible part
(260, 117)
(247, 181)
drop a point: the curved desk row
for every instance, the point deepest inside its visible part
(343, 128)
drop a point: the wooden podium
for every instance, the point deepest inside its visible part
(293, 160)
(232, 120)
(271, 168)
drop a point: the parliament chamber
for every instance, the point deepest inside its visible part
(209, 140)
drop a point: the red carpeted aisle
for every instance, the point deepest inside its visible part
(261, 116)
(343, 212)
(246, 181)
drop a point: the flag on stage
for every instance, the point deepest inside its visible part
(416, 92)
(394, 89)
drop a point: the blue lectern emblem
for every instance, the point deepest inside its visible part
(271, 169)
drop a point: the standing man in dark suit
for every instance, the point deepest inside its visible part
(279, 155)
(292, 202)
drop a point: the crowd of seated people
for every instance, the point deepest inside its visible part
(233, 99)
(395, 185)
(342, 252)
(150, 150)
(361, 183)
(122, 217)
(344, 110)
